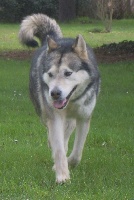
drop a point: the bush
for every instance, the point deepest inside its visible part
(16, 10)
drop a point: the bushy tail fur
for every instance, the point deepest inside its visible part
(38, 25)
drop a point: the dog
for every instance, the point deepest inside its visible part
(64, 86)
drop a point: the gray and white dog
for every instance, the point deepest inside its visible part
(64, 85)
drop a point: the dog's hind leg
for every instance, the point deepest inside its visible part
(82, 128)
(70, 125)
(56, 138)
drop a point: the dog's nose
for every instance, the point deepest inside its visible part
(56, 94)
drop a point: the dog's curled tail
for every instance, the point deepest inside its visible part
(38, 25)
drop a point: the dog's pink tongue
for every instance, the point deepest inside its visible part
(59, 104)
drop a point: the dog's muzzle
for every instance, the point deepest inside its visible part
(58, 102)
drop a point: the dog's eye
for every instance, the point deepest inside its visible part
(50, 74)
(67, 74)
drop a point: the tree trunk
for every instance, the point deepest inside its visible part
(128, 8)
(67, 10)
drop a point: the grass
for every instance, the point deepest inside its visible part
(106, 170)
(122, 30)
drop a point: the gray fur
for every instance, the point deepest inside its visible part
(38, 25)
(64, 85)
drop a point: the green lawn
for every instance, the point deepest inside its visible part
(106, 170)
(122, 30)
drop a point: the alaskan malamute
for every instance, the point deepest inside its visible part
(64, 85)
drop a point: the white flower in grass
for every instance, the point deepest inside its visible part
(104, 144)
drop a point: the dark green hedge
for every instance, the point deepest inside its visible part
(16, 10)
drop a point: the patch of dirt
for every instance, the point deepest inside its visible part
(17, 54)
(110, 53)
(115, 52)
(113, 58)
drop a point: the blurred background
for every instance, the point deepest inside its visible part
(65, 10)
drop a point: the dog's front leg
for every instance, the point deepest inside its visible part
(82, 128)
(70, 125)
(56, 138)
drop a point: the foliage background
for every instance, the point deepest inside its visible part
(16, 10)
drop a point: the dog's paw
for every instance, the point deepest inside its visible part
(73, 161)
(61, 179)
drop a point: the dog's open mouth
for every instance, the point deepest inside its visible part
(60, 104)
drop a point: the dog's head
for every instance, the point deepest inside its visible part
(66, 70)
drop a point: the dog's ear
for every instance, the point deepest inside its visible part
(51, 44)
(79, 47)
